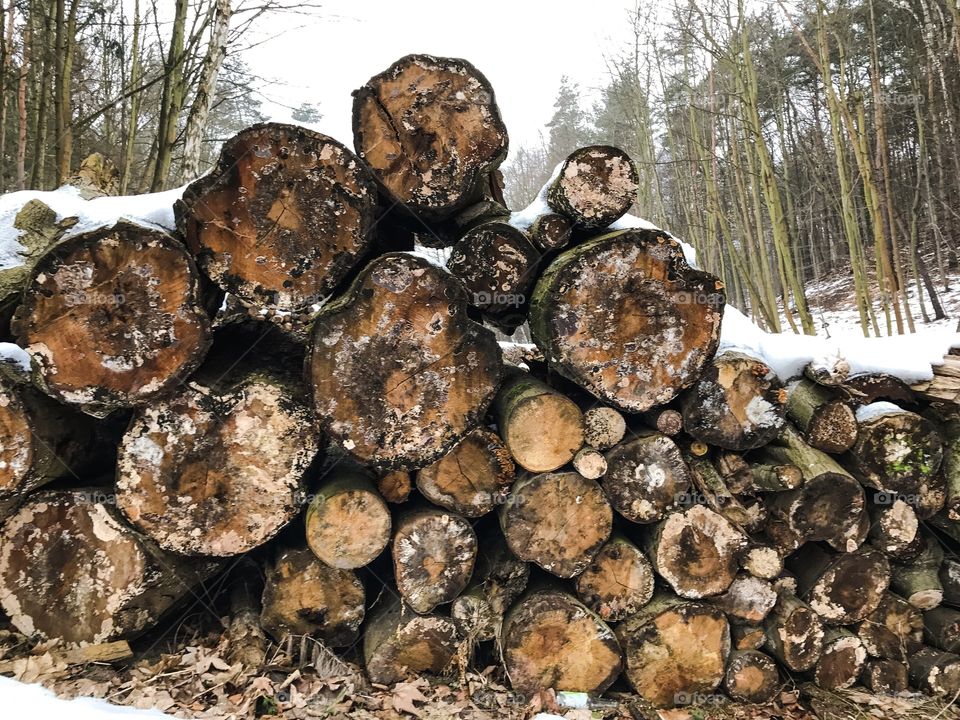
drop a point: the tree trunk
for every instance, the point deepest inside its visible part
(893, 630)
(646, 478)
(624, 317)
(618, 582)
(751, 677)
(935, 671)
(433, 557)
(595, 186)
(473, 478)
(400, 374)
(603, 427)
(171, 98)
(557, 520)
(842, 588)
(747, 601)
(885, 677)
(795, 633)
(23, 75)
(825, 421)
(842, 661)
(112, 318)
(430, 130)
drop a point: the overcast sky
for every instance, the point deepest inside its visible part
(522, 46)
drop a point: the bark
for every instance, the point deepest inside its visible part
(247, 643)
(557, 520)
(400, 374)
(773, 478)
(590, 463)
(918, 581)
(473, 478)
(751, 677)
(433, 556)
(950, 580)
(795, 633)
(595, 186)
(825, 422)
(842, 588)
(283, 219)
(112, 318)
(624, 317)
(716, 495)
(430, 130)
(674, 650)
(111, 583)
(541, 428)
(618, 582)
(950, 434)
(885, 677)
(737, 403)
(941, 628)
(646, 478)
(893, 630)
(935, 671)
(747, 601)
(552, 640)
(303, 596)
(842, 661)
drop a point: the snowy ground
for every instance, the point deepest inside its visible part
(23, 700)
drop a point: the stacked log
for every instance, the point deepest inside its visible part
(622, 500)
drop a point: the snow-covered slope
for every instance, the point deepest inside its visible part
(20, 700)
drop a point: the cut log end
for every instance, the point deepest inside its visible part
(751, 677)
(603, 427)
(590, 463)
(618, 582)
(595, 187)
(646, 478)
(399, 644)
(896, 452)
(885, 677)
(841, 663)
(795, 633)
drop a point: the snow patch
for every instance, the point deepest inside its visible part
(29, 700)
(875, 410)
(15, 355)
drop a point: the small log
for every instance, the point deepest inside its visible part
(734, 470)
(590, 463)
(842, 588)
(217, 469)
(282, 219)
(71, 570)
(885, 677)
(918, 580)
(646, 478)
(762, 561)
(795, 633)
(113, 318)
(894, 526)
(347, 522)
(618, 582)
(825, 421)
(893, 630)
(557, 520)
(935, 671)
(737, 403)
(751, 677)
(842, 661)
(499, 578)
(696, 551)
(395, 486)
(550, 231)
(399, 643)
(950, 580)
(747, 601)
(433, 555)
(715, 494)
(774, 478)
(552, 640)
(246, 641)
(430, 130)
(666, 420)
(595, 186)
(624, 317)
(941, 628)
(399, 373)
(747, 637)
(498, 266)
(603, 427)
(674, 650)
(944, 386)
(473, 478)
(303, 596)
(475, 616)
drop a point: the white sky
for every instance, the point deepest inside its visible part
(522, 46)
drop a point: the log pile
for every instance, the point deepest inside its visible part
(625, 501)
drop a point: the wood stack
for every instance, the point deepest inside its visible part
(666, 513)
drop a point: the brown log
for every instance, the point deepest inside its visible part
(399, 643)
(842, 661)
(894, 526)
(674, 650)
(751, 677)
(646, 477)
(944, 386)
(918, 580)
(624, 317)
(603, 427)
(550, 231)
(303, 596)
(618, 582)
(950, 580)
(557, 520)
(825, 421)
(795, 633)
(498, 266)
(433, 555)
(542, 428)
(283, 218)
(552, 640)
(473, 478)
(666, 420)
(590, 463)
(737, 403)
(747, 637)
(842, 588)
(395, 486)
(696, 551)
(935, 671)
(430, 130)
(347, 522)
(595, 186)
(893, 630)
(218, 468)
(112, 318)
(941, 628)
(885, 677)
(70, 570)
(475, 616)
(247, 643)
(399, 373)
(747, 601)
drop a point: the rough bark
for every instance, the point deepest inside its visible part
(935, 671)
(624, 317)
(918, 581)
(825, 421)
(893, 630)
(795, 633)
(399, 373)
(618, 582)
(885, 677)
(941, 628)
(751, 677)
(842, 661)
(112, 318)
(842, 588)
(712, 491)
(603, 427)
(646, 478)
(595, 186)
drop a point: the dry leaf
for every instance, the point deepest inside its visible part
(405, 694)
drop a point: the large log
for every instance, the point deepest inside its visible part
(303, 596)
(218, 468)
(751, 677)
(112, 318)
(552, 640)
(825, 421)
(399, 373)
(542, 428)
(283, 217)
(843, 588)
(737, 403)
(893, 630)
(795, 633)
(618, 582)
(894, 526)
(595, 186)
(674, 650)
(625, 317)
(646, 477)
(430, 130)
(71, 570)
(557, 520)
(842, 661)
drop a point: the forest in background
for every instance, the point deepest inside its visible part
(787, 143)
